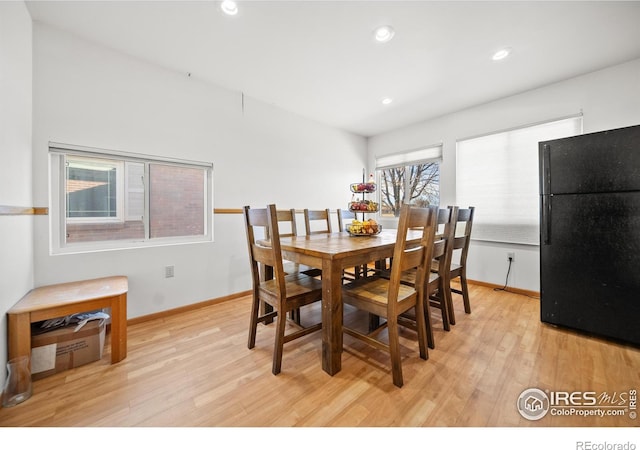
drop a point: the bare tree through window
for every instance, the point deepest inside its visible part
(418, 184)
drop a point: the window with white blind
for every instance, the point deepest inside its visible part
(410, 177)
(498, 174)
(106, 199)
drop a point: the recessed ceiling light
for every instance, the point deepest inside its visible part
(229, 7)
(501, 54)
(384, 33)
(386, 100)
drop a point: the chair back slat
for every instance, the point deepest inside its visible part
(263, 254)
(444, 218)
(287, 217)
(412, 258)
(459, 242)
(439, 248)
(465, 215)
(323, 216)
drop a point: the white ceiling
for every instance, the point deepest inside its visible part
(319, 59)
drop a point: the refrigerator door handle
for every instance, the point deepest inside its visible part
(546, 219)
(545, 181)
(545, 191)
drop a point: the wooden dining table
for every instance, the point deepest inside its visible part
(333, 252)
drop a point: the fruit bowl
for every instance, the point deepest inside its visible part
(363, 206)
(359, 188)
(364, 228)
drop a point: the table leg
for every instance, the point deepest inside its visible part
(331, 317)
(118, 328)
(19, 335)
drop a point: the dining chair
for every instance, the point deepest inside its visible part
(390, 298)
(317, 221)
(441, 299)
(437, 290)
(284, 293)
(288, 227)
(458, 268)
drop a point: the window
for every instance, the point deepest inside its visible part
(107, 199)
(498, 174)
(410, 177)
(91, 192)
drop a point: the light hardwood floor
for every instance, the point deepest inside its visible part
(194, 369)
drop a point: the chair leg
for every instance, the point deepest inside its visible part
(294, 315)
(281, 321)
(450, 312)
(253, 325)
(374, 322)
(431, 342)
(465, 293)
(449, 306)
(443, 295)
(421, 318)
(394, 350)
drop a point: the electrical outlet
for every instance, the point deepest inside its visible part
(168, 271)
(511, 256)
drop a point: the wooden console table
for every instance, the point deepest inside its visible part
(58, 300)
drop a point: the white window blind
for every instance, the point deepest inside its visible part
(498, 174)
(423, 155)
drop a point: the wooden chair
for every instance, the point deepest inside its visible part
(284, 293)
(459, 263)
(323, 216)
(437, 283)
(389, 298)
(441, 297)
(286, 217)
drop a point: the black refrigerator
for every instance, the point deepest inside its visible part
(590, 233)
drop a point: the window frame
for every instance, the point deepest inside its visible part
(119, 166)
(406, 159)
(58, 219)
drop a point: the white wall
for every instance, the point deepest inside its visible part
(88, 95)
(608, 98)
(16, 232)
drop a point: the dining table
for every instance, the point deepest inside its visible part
(333, 252)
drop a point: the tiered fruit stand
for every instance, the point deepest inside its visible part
(363, 206)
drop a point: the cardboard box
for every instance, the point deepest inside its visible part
(62, 349)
